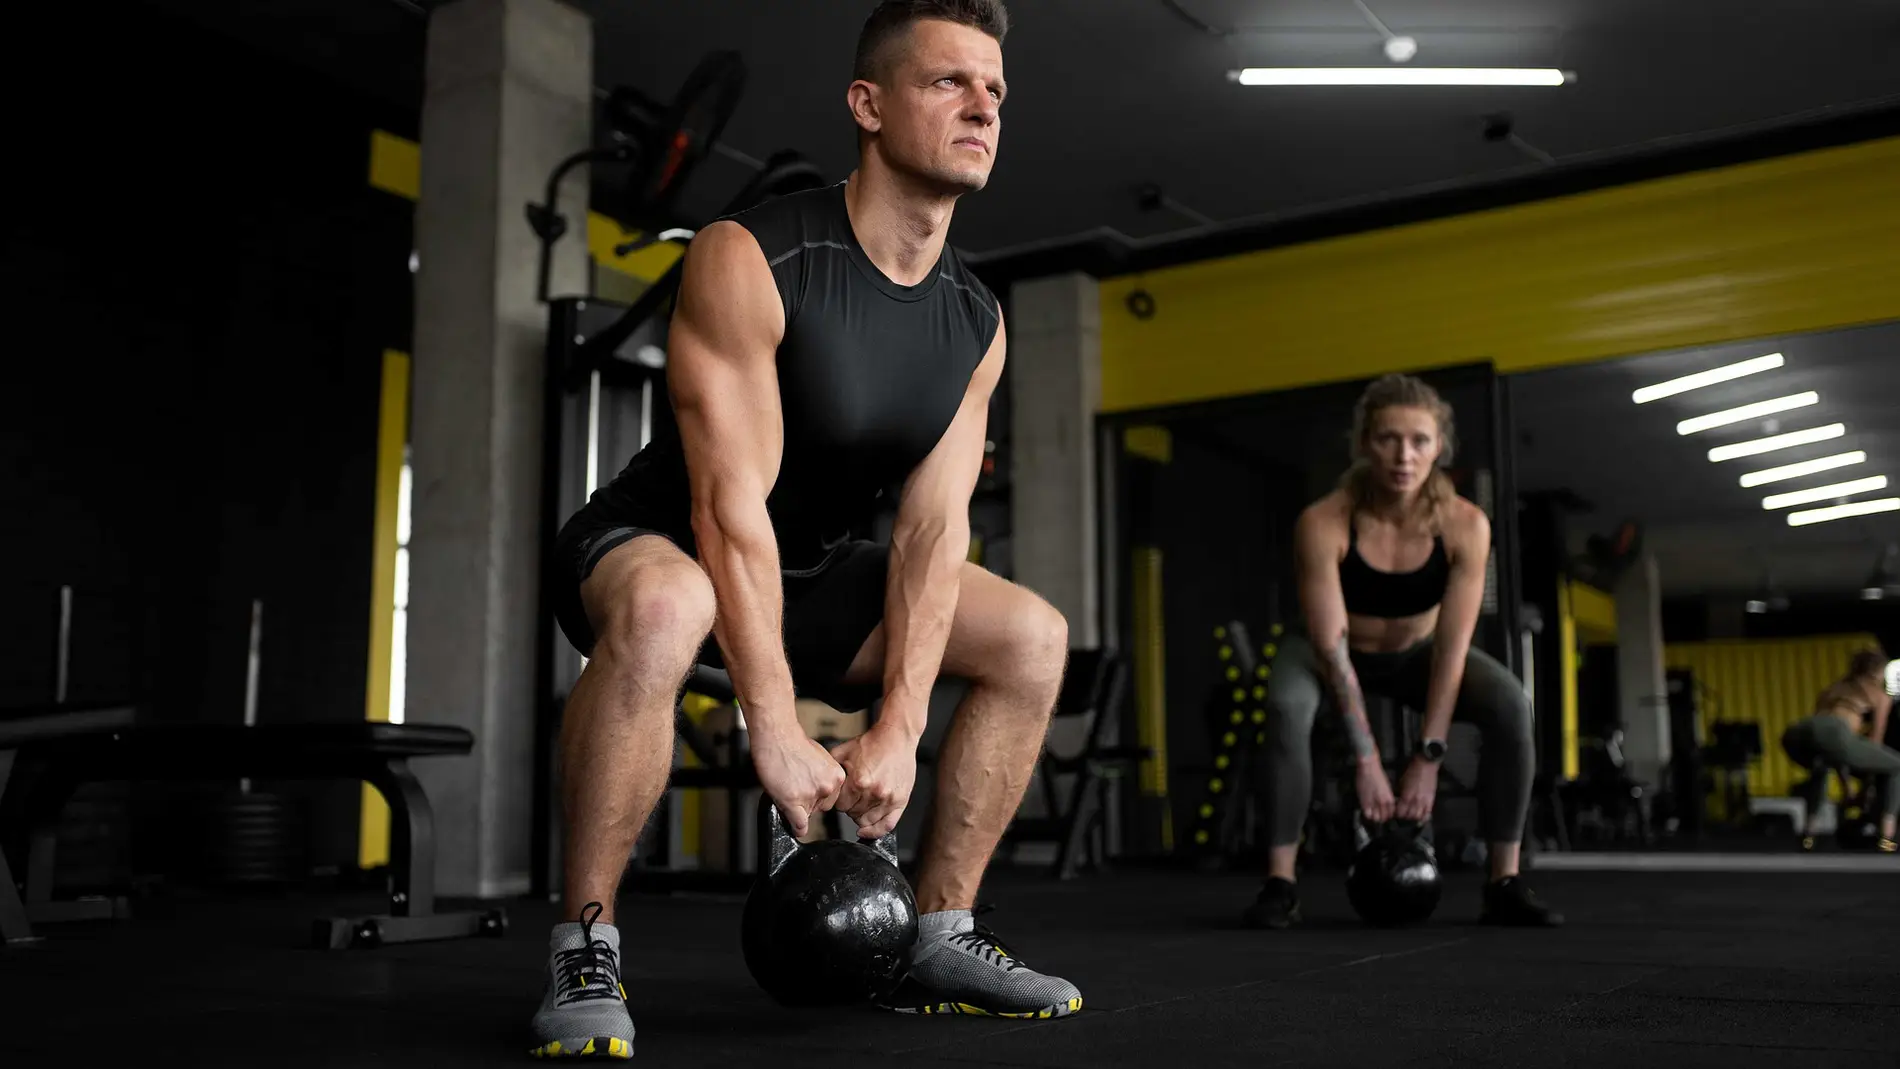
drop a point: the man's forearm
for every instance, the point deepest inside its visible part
(920, 602)
(744, 567)
(1351, 701)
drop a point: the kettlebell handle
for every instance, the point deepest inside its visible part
(777, 844)
(1397, 827)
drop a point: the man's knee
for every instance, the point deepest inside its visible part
(1039, 641)
(663, 611)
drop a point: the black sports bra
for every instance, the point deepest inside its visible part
(1391, 595)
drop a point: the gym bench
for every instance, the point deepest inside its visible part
(58, 753)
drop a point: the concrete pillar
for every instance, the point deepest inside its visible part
(508, 95)
(1055, 369)
(1643, 694)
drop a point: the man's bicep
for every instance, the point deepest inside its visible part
(721, 365)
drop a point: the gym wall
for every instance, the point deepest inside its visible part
(191, 407)
(1767, 682)
(1796, 243)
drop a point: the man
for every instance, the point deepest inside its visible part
(825, 345)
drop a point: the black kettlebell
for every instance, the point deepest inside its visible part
(1393, 879)
(828, 923)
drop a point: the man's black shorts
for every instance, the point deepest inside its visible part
(830, 609)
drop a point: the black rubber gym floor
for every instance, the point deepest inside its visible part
(1653, 969)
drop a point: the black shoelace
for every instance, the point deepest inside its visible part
(985, 944)
(588, 971)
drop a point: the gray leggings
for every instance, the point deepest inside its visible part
(1490, 698)
(1832, 739)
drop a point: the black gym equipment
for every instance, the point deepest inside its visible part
(51, 756)
(829, 923)
(1393, 880)
(670, 141)
(662, 146)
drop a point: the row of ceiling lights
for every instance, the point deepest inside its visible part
(1837, 492)
(1886, 577)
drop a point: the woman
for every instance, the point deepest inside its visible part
(1832, 734)
(1391, 569)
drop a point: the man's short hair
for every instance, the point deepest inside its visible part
(890, 23)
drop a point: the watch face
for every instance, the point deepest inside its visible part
(1434, 749)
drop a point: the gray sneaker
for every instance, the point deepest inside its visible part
(963, 969)
(584, 1012)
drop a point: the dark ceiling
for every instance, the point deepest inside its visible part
(1109, 94)
(1578, 429)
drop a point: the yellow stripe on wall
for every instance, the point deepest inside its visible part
(395, 164)
(1797, 243)
(392, 438)
(1154, 442)
(645, 264)
(1594, 612)
(1568, 664)
(1151, 683)
(1772, 683)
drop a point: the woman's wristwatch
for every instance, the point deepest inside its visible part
(1432, 750)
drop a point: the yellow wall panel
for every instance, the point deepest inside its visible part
(1595, 613)
(395, 164)
(1770, 682)
(1797, 243)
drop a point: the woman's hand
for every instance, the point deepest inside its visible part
(1418, 790)
(1375, 791)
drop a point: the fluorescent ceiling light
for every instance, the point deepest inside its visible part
(1706, 378)
(1748, 412)
(1842, 512)
(1824, 493)
(1779, 441)
(1806, 467)
(1401, 76)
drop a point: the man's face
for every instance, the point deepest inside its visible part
(939, 116)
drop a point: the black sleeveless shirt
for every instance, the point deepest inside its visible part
(870, 374)
(1368, 591)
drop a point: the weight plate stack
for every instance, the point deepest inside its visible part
(252, 839)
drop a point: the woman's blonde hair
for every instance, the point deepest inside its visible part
(1401, 391)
